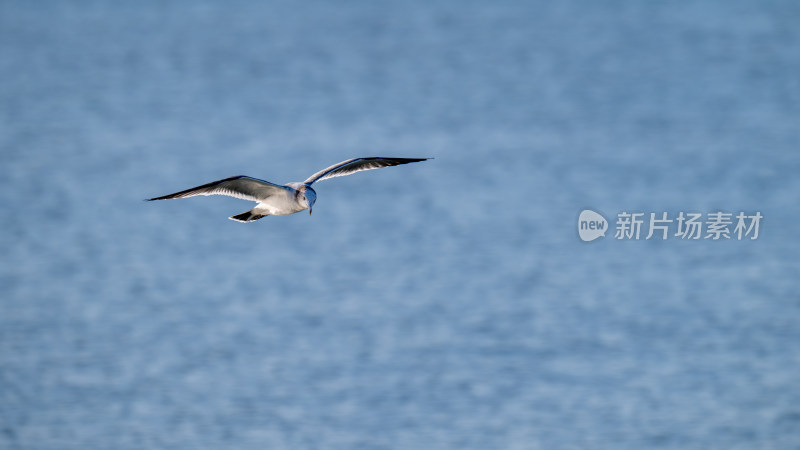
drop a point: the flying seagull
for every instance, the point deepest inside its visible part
(274, 199)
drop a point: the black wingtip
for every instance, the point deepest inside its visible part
(186, 191)
(401, 160)
(416, 159)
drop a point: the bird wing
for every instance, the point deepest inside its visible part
(356, 165)
(241, 186)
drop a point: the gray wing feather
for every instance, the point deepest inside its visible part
(243, 187)
(357, 165)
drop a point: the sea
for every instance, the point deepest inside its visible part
(447, 304)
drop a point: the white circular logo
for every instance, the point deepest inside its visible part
(591, 225)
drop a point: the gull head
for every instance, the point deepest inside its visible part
(309, 198)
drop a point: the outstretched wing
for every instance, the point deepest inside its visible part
(357, 165)
(243, 187)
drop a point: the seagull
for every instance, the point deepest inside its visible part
(277, 200)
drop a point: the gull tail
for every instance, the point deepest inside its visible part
(247, 216)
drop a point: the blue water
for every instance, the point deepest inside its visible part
(442, 305)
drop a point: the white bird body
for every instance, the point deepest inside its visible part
(280, 200)
(284, 202)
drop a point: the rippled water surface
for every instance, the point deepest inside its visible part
(445, 304)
